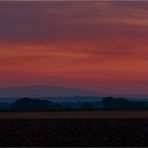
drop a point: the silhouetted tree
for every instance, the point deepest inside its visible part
(57, 106)
(87, 106)
(108, 102)
(121, 103)
(28, 104)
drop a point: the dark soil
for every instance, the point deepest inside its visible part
(73, 132)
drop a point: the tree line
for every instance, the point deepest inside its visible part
(122, 103)
(30, 104)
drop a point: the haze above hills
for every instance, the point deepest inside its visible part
(43, 91)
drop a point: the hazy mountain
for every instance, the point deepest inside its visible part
(43, 91)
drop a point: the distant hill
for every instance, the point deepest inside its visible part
(43, 91)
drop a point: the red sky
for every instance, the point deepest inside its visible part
(100, 46)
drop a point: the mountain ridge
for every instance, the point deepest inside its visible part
(44, 91)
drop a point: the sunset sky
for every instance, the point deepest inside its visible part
(99, 46)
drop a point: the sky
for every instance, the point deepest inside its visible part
(99, 45)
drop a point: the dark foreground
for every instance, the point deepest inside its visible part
(73, 132)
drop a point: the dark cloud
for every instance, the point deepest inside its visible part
(104, 25)
(50, 21)
(20, 21)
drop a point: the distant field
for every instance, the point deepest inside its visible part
(74, 115)
(80, 129)
(73, 132)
